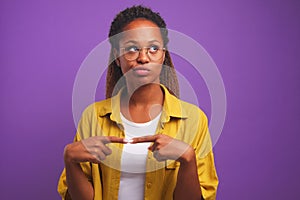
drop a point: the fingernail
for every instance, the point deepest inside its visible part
(126, 140)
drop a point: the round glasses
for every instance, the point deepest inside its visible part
(133, 52)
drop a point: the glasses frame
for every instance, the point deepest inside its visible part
(139, 51)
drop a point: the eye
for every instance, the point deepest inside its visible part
(153, 48)
(131, 49)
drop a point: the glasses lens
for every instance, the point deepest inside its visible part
(155, 54)
(132, 53)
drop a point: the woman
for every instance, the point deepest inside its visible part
(142, 142)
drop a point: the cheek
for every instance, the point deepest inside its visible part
(124, 65)
(157, 66)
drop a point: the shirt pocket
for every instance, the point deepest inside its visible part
(171, 164)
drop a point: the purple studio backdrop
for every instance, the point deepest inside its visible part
(255, 45)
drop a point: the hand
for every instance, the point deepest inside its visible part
(167, 148)
(92, 149)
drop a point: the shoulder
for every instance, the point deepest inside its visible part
(102, 107)
(178, 108)
(192, 111)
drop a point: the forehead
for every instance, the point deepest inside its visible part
(140, 31)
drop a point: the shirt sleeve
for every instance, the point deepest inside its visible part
(86, 126)
(62, 187)
(205, 161)
(207, 177)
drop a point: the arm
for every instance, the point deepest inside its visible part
(164, 148)
(91, 150)
(78, 185)
(196, 176)
(187, 185)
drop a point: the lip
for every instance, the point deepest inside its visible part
(141, 71)
(140, 68)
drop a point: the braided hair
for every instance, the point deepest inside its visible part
(168, 75)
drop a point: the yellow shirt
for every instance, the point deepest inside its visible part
(179, 120)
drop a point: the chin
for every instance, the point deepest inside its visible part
(139, 82)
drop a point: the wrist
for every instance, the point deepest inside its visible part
(68, 154)
(188, 156)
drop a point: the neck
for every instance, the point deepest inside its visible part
(145, 95)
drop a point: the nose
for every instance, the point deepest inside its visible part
(143, 56)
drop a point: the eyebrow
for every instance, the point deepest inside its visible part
(135, 42)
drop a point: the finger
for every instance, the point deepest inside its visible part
(153, 147)
(106, 150)
(158, 156)
(155, 154)
(113, 139)
(149, 138)
(94, 159)
(102, 147)
(99, 155)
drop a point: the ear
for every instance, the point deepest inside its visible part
(115, 52)
(164, 56)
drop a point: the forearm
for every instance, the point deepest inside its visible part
(188, 186)
(78, 185)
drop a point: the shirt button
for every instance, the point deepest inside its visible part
(149, 185)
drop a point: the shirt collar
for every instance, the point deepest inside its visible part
(172, 107)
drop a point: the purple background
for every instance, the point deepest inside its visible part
(255, 45)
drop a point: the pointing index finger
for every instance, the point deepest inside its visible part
(114, 139)
(149, 138)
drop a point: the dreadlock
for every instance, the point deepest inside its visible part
(168, 75)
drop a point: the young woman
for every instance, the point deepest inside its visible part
(142, 142)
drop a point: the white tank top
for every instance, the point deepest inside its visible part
(133, 161)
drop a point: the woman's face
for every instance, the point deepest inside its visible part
(140, 35)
